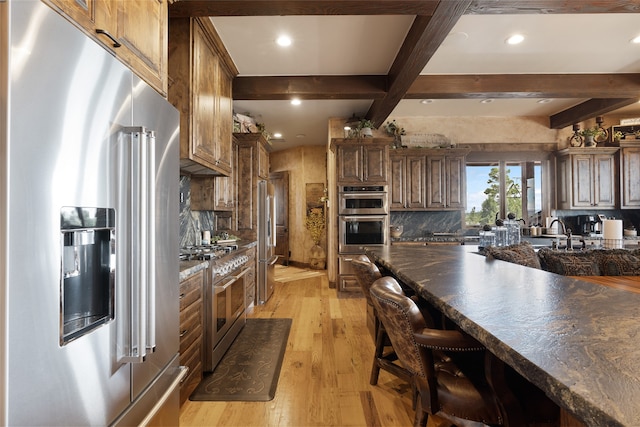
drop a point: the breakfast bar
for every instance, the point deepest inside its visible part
(577, 341)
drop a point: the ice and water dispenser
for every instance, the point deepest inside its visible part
(87, 288)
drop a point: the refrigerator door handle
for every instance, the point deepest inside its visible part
(183, 371)
(273, 260)
(137, 209)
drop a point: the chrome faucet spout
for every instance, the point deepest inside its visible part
(559, 221)
(566, 231)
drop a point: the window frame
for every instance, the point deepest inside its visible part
(546, 160)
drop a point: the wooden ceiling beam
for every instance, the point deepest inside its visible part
(525, 86)
(587, 110)
(519, 7)
(309, 87)
(440, 86)
(186, 8)
(424, 37)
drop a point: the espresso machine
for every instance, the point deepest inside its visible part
(590, 225)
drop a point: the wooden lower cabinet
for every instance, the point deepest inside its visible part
(191, 331)
(347, 281)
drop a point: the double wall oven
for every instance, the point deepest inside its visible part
(363, 217)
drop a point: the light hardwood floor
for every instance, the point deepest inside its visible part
(324, 379)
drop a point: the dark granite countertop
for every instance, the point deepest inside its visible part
(577, 341)
(188, 268)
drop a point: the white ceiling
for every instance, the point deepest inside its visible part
(367, 45)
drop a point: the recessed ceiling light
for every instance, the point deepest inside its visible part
(426, 101)
(486, 101)
(284, 41)
(296, 101)
(300, 135)
(277, 135)
(544, 101)
(515, 39)
(635, 40)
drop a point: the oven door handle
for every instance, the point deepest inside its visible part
(242, 273)
(229, 282)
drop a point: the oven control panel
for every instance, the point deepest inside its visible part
(223, 267)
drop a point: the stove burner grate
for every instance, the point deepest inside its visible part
(205, 252)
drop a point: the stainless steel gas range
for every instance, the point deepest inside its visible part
(224, 297)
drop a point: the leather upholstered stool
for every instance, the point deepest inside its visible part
(384, 356)
(447, 367)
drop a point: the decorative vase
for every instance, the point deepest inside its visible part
(366, 132)
(318, 257)
(589, 141)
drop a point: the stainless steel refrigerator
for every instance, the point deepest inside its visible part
(89, 233)
(266, 240)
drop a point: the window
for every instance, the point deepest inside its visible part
(496, 188)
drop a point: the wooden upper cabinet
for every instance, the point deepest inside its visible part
(201, 75)
(407, 184)
(456, 174)
(142, 27)
(138, 26)
(586, 178)
(428, 179)
(397, 186)
(362, 162)
(252, 165)
(630, 176)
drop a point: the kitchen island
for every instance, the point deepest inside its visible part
(577, 341)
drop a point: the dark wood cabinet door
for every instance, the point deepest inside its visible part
(397, 187)
(456, 168)
(375, 163)
(280, 181)
(435, 182)
(416, 182)
(350, 163)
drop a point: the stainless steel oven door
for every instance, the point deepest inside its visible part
(357, 231)
(363, 203)
(228, 304)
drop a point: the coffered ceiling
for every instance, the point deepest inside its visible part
(380, 58)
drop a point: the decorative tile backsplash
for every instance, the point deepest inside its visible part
(192, 222)
(423, 224)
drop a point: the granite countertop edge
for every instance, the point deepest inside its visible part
(189, 268)
(442, 282)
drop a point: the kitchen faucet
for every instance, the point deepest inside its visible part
(566, 231)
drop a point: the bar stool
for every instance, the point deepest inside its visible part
(384, 357)
(452, 374)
